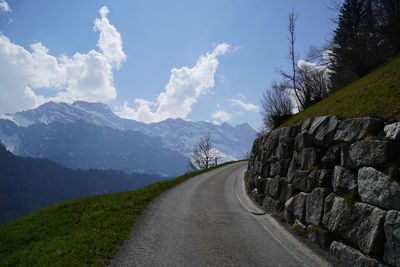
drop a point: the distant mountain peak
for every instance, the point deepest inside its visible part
(92, 106)
(176, 133)
(91, 112)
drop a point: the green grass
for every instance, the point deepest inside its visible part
(80, 232)
(299, 230)
(376, 94)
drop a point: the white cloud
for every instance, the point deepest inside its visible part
(4, 6)
(182, 91)
(110, 42)
(240, 95)
(302, 64)
(221, 115)
(83, 76)
(243, 105)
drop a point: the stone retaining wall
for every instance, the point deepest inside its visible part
(336, 180)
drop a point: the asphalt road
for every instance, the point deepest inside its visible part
(209, 221)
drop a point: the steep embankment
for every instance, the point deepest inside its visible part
(80, 232)
(376, 94)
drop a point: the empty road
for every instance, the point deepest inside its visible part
(209, 221)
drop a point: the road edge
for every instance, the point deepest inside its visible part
(291, 243)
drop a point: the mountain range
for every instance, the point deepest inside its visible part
(89, 135)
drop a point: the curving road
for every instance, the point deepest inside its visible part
(209, 221)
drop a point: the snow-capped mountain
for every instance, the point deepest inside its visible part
(87, 146)
(176, 134)
(94, 113)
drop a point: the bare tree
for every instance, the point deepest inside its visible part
(277, 106)
(204, 154)
(292, 78)
(292, 46)
(335, 5)
(308, 82)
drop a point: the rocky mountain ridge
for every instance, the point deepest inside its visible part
(87, 146)
(176, 134)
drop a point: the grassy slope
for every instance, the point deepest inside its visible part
(376, 94)
(80, 232)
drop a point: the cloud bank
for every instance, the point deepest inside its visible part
(243, 105)
(184, 88)
(221, 116)
(86, 77)
(4, 6)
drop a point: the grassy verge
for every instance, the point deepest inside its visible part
(376, 94)
(80, 232)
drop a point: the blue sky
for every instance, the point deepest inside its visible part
(223, 53)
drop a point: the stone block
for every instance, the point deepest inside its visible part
(271, 141)
(323, 129)
(254, 193)
(284, 151)
(284, 193)
(272, 205)
(355, 129)
(319, 236)
(267, 183)
(300, 180)
(351, 256)
(392, 131)
(366, 153)
(274, 188)
(332, 156)
(264, 157)
(260, 184)
(325, 177)
(312, 181)
(295, 207)
(344, 181)
(392, 231)
(259, 167)
(287, 134)
(265, 170)
(360, 224)
(303, 140)
(315, 205)
(309, 158)
(279, 167)
(305, 125)
(293, 166)
(378, 189)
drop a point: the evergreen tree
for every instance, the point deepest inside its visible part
(357, 47)
(387, 13)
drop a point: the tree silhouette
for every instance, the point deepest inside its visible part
(204, 154)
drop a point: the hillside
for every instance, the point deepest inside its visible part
(28, 184)
(376, 94)
(80, 232)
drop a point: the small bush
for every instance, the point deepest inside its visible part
(299, 229)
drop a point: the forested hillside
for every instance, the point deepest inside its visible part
(27, 184)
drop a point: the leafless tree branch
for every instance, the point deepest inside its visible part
(204, 154)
